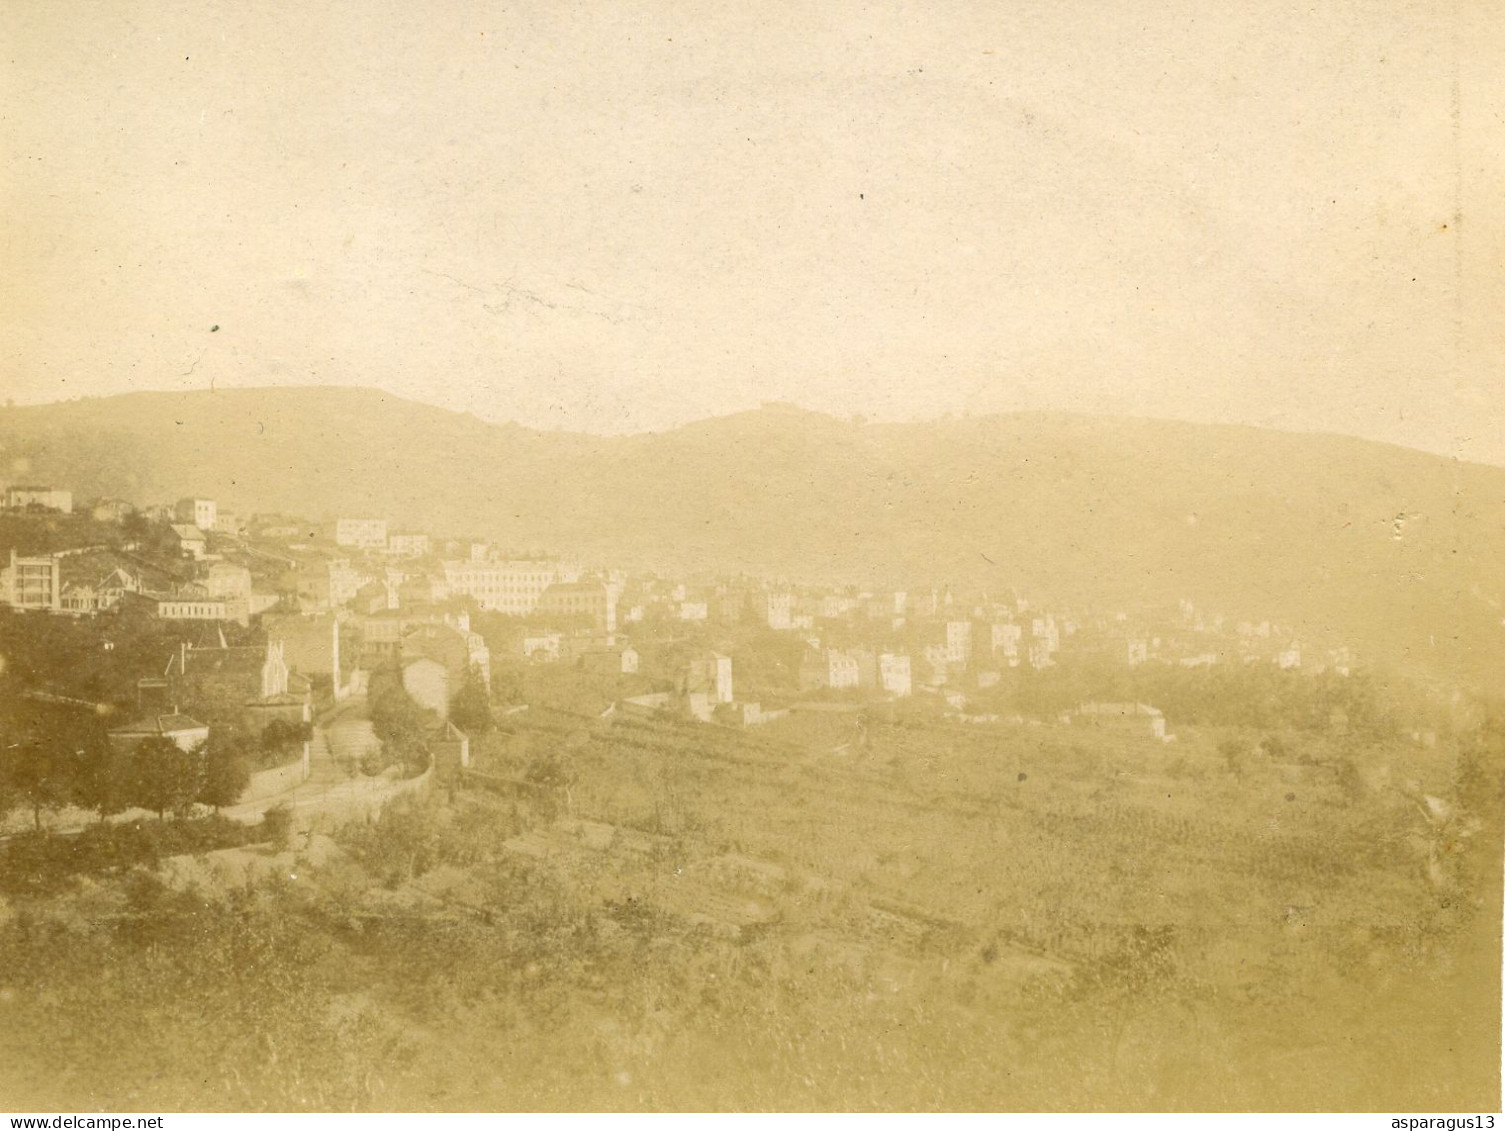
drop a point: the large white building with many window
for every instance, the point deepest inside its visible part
(511, 587)
(32, 583)
(408, 545)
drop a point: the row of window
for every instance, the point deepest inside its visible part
(191, 610)
(472, 581)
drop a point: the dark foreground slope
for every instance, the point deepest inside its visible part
(1393, 549)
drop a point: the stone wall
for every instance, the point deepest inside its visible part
(279, 779)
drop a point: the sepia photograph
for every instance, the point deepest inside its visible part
(635, 556)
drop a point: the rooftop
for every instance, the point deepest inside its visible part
(162, 725)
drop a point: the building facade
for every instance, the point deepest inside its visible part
(894, 674)
(202, 513)
(959, 641)
(32, 583)
(361, 533)
(187, 734)
(427, 681)
(511, 587)
(191, 540)
(711, 674)
(53, 498)
(408, 545)
(775, 609)
(589, 599)
(191, 608)
(1004, 640)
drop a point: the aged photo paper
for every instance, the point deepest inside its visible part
(669, 555)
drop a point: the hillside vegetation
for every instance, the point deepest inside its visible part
(910, 915)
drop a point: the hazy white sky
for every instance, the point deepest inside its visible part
(618, 216)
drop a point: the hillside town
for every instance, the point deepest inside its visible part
(389, 738)
(416, 730)
(273, 620)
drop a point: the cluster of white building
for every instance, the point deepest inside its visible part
(888, 643)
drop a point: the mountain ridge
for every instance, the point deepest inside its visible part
(1393, 548)
(769, 409)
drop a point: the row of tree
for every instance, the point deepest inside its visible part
(42, 775)
(54, 755)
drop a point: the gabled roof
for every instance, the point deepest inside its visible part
(432, 639)
(247, 658)
(165, 725)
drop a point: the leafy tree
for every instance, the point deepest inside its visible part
(10, 798)
(39, 774)
(135, 526)
(470, 709)
(280, 738)
(277, 824)
(274, 736)
(227, 769)
(403, 842)
(167, 777)
(556, 777)
(398, 721)
(56, 756)
(104, 781)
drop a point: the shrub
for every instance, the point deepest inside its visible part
(40, 863)
(277, 824)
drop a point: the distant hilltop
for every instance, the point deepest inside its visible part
(1395, 549)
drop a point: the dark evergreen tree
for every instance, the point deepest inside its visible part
(470, 709)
